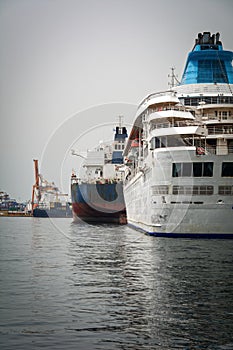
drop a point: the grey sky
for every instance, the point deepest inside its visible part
(60, 57)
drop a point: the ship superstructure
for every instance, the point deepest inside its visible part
(11, 207)
(179, 179)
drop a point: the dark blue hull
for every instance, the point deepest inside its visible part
(53, 213)
(185, 235)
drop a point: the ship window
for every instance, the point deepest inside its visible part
(204, 71)
(203, 169)
(175, 189)
(209, 190)
(163, 141)
(230, 146)
(157, 142)
(152, 143)
(176, 169)
(211, 70)
(160, 189)
(225, 190)
(187, 169)
(193, 190)
(174, 141)
(227, 169)
(181, 169)
(196, 169)
(208, 169)
(219, 71)
(214, 100)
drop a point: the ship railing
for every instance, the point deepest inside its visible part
(170, 108)
(174, 124)
(211, 116)
(157, 94)
(218, 149)
(220, 129)
(210, 149)
(212, 130)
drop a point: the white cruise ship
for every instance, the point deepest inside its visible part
(179, 154)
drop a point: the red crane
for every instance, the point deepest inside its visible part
(36, 185)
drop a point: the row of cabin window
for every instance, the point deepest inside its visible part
(199, 169)
(119, 146)
(172, 141)
(166, 141)
(193, 190)
(222, 113)
(195, 101)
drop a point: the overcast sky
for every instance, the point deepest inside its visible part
(70, 67)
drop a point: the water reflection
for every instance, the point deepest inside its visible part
(161, 294)
(110, 287)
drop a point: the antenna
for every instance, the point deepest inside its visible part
(174, 81)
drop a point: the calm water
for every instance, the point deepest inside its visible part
(67, 286)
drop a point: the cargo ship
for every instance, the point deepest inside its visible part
(179, 154)
(11, 207)
(97, 197)
(47, 199)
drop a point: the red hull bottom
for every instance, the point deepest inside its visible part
(84, 212)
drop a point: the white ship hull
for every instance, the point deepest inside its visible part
(184, 215)
(185, 220)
